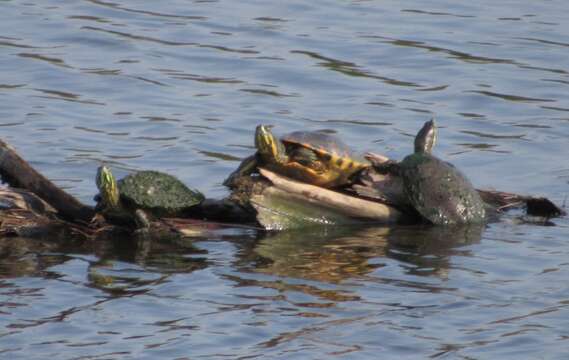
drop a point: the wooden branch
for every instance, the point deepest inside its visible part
(348, 205)
(18, 173)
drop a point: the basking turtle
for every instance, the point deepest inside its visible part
(312, 157)
(435, 188)
(130, 199)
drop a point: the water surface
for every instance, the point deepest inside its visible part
(180, 86)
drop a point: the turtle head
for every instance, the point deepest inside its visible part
(108, 188)
(269, 147)
(426, 138)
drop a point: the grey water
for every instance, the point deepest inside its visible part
(179, 86)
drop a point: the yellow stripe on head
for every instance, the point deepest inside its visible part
(270, 148)
(107, 186)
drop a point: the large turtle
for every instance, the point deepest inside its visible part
(313, 157)
(132, 198)
(435, 188)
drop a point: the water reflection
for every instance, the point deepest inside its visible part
(338, 254)
(21, 256)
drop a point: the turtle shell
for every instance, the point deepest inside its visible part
(339, 161)
(161, 194)
(439, 191)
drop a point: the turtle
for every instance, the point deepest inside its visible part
(130, 200)
(312, 157)
(436, 189)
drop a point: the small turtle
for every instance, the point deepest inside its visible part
(312, 157)
(132, 198)
(435, 188)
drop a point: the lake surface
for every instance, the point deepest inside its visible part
(179, 87)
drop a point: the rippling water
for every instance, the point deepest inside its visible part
(179, 86)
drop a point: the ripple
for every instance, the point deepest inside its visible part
(543, 41)
(510, 97)
(460, 55)
(492, 136)
(351, 69)
(268, 92)
(136, 37)
(146, 12)
(436, 13)
(51, 60)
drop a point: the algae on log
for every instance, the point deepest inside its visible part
(289, 204)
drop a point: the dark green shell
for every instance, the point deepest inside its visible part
(161, 194)
(439, 191)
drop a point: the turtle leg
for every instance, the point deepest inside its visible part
(305, 157)
(246, 168)
(383, 165)
(141, 219)
(311, 175)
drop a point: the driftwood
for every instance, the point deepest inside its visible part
(19, 174)
(349, 205)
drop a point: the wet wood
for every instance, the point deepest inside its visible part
(348, 205)
(19, 174)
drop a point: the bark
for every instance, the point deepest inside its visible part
(18, 173)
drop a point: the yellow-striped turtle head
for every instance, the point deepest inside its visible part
(269, 147)
(108, 188)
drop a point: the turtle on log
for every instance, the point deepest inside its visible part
(439, 192)
(312, 157)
